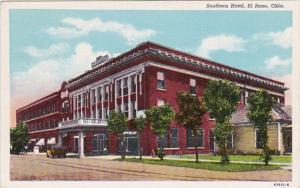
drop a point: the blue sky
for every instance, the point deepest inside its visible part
(48, 46)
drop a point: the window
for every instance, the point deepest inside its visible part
(99, 94)
(100, 113)
(160, 102)
(160, 80)
(106, 93)
(93, 96)
(76, 140)
(105, 113)
(259, 140)
(79, 101)
(119, 89)
(174, 138)
(125, 109)
(133, 83)
(190, 138)
(169, 139)
(125, 86)
(133, 109)
(193, 90)
(230, 141)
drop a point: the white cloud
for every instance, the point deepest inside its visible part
(287, 80)
(276, 61)
(75, 27)
(53, 49)
(228, 43)
(280, 38)
(47, 75)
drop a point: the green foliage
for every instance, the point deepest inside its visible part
(19, 138)
(232, 167)
(160, 118)
(160, 153)
(260, 105)
(139, 123)
(191, 110)
(221, 99)
(117, 123)
(266, 154)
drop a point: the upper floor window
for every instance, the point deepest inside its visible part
(119, 89)
(161, 80)
(125, 109)
(125, 86)
(79, 101)
(106, 92)
(133, 83)
(93, 96)
(99, 94)
(133, 109)
(193, 90)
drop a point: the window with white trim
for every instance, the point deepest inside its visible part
(106, 92)
(230, 141)
(193, 89)
(190, 138)
(119, 89)
(125, 86)
(133, 83)
(160, 80)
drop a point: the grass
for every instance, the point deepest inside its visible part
(248, 158)
(215, 166)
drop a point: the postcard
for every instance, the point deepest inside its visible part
(150, 93)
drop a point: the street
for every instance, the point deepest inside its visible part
(38, 167)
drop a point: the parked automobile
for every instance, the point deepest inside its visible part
(56, 151)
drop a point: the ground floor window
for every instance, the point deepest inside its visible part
(131, 144)
(259, 140)
(169, 139)
(190, 138)
(76, 140)
(230, 141)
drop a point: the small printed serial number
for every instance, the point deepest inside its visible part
(281, 184)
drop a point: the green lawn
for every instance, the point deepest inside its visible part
(250, 158)
(215, 166)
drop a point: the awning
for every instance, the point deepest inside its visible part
(51, 140)
(41, 142)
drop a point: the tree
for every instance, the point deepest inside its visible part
(160, 118)
(260, 105)
(139, 124)
(117, 123)
(19, 138)
(191, 110)
(221, 99)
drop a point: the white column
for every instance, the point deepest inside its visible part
(122, 94)
(80, 144)
(136, 91)
(96, 107)
(108, 88)
(140, 81)
(74, 107)
(129, 98)
(102, 99)
(81, 103)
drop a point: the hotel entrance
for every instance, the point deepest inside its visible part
(100, 144)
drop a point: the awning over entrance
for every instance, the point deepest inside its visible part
(51, 140)
(41, 142)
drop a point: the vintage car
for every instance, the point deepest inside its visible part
(56, 151)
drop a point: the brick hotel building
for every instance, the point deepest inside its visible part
(148, 75)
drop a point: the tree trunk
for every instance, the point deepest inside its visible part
(195, 145)
(139, 146)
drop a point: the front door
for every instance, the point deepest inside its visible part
(99, 144)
